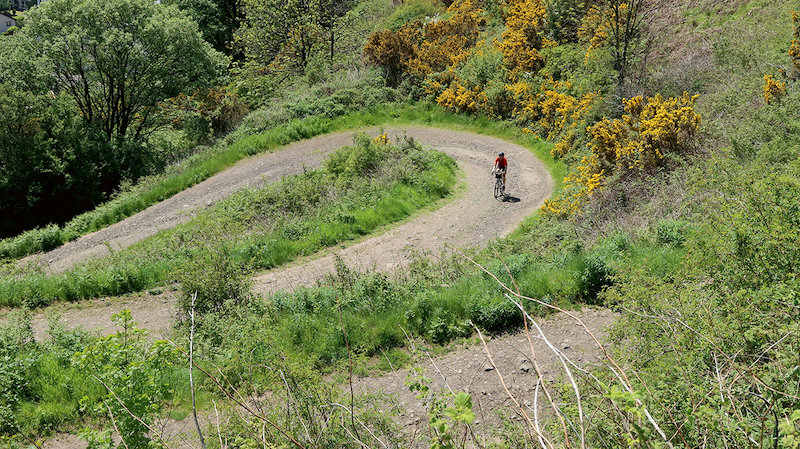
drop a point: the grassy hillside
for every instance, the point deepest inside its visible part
(679, 210)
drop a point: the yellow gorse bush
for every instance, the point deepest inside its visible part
(773, 90)
(523, 37)
(382, 139)
(548, 109)
(469, 94)
(420, 49)
(578, 188)
(459, 95)
(794, 50)
(650, 129)
(393, 51)
(445, 43)
(595, 29)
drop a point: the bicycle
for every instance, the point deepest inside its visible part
(499, 185)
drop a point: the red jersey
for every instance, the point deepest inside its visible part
(501, 162)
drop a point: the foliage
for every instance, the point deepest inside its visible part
(475, 87)
(216, 19)
(119, 59)
(393, 51)
(280, 37)
(206, 113)
(364, 186)
(773, 90)
(302, 409)
(411, 11)
(133, 374)
(651, 130)
(794, 49)
(620, 25)
(86, 101)
(52, 166)
(421, 48)
(522, 38)
(564, 19)
(212, 281)
(55, 380)
(445, 422)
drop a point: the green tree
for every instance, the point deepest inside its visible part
(217, 19)
(276, 29)
(284, 35)
(331, 14)
(49, 167)
(118, 59)
(621, 26)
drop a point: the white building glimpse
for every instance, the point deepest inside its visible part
(6, 23)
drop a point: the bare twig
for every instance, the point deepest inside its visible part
(19, 431)
(390, 364)
(114, 423)
(290, 394)
(616, 369)
(544, 387)
(219, 430)
(410, 340)
(444, 379)
(350, 376)
(191, 377)
(561, 358)
(364, 426)
(241, 402)
(124, 407)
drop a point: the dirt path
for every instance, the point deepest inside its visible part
(475, 217)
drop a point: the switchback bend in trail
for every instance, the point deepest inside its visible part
(473, 218)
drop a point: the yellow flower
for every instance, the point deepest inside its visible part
(773, 90)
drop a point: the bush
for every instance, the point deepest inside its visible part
(428, 316)
(599, 268)
(212, 280)
(672, 232)
(496, 314)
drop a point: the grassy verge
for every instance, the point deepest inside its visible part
(361, 188)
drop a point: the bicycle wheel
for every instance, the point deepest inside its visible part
(498, 187)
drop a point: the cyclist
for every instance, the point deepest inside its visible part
(501, 164)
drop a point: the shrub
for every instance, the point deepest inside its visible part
(496, 314)
(212, 280)
(429, 316)
(672, 232)
(599, 268)
(134, 372)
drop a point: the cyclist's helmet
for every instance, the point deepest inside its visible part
(502, 154)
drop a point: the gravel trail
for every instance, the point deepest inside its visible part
(474, 217)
